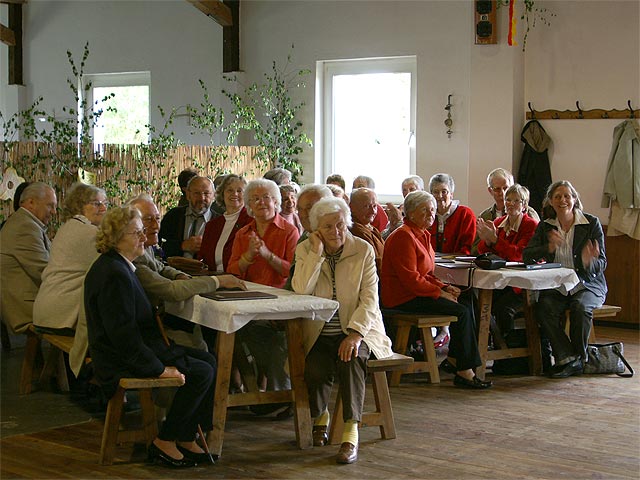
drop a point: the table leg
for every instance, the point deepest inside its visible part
(225, 344)
(484, 306)
(533, 335)
(302, 414)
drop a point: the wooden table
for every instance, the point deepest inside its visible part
(228, 317)
(488, 280)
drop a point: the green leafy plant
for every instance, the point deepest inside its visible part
(268, 110)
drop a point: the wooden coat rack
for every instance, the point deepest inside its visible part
(580, 114)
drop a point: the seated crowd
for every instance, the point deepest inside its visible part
(105, 277)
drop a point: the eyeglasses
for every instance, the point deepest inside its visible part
(96, 204)
(499, 189)
(151, 218)
(264, 199)
(139, 233)
(513, 202)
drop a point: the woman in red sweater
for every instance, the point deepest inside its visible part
(408, 283)
(507, 237)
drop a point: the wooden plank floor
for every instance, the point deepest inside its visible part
(525, 427)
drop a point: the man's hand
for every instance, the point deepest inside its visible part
(192, 244)
(348, 348)
(229, 281)
(394, 213)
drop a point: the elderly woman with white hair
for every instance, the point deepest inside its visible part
(262, 253)
(408, 283)
(332, 263)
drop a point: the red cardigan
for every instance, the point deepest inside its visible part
(212, 232)
(281, 238)
(407, 266)
(510, 246)
(381, 219)
(459, 232)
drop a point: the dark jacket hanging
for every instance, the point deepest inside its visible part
(534, 172)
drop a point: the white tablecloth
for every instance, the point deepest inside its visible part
(506, 277)
(230, 316)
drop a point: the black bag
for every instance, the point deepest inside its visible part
(490, 261)
(607, 358)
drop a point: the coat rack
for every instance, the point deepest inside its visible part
(580, 114)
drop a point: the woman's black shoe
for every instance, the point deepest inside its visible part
(158, 457)
(448, 367)
(200, 458)
(476, 383)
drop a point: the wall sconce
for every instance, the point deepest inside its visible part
(448, 121)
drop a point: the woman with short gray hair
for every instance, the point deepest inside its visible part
(58, 304)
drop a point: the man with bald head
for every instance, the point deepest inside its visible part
(24, 252)
(364, 208)
(182, 227)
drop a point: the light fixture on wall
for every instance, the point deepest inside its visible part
(448, 121)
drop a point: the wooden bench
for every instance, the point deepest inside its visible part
(382, 416)
(605, 311)
(403, 322)
(112, 434)
(54, 364)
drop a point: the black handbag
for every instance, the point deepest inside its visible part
(607, 358)
(490, 261)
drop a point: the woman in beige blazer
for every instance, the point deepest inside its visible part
(332, 263)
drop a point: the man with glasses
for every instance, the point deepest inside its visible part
(182, 227)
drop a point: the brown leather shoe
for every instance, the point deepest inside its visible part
(348, 453)
(320, 436)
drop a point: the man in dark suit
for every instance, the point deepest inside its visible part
(182, 227)
(24, 252)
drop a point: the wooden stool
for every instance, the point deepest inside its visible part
(404, 321)
(54, 364)
(383, 415)
(112, 435)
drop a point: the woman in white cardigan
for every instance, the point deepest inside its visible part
(59, 301)
(332, 263)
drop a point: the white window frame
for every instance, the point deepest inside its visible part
(325, 70)
(121, 79)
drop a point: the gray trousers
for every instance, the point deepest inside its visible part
(550, 312)
(321, 368)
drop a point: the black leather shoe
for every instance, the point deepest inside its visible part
(448, 367)
(199, 458)
(348, 453)
(158, 457)
(476, 383)
(320, 436)
(574, 367)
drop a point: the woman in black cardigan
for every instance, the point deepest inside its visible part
(125, 341)
(573, 238)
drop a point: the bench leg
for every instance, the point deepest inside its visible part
(55, 365)
(430, 355)
(28, 364)
(149, 422)
(402, 339)
(111, 427)
(383, 405)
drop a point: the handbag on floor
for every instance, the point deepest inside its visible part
(607, 358)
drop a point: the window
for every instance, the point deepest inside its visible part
(367, 121)
(127, 124)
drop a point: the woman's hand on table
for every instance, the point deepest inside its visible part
(172, 372)
(348, 348)
(229, 281)
(316, 243)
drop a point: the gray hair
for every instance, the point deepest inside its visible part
(415, 179)
(198, 177)
(321, 190)
(521, 192)
(327, 206)
(232, 177)
(112, 227)
(442, 178)
(336, 190)
(270, 185)
(416, 198)
(35, 190)
(499, 173)
(278, 175)
(79, 195)
(143, 197)
(368, 180)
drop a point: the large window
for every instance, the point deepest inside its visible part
(130, 101)
(367, 121)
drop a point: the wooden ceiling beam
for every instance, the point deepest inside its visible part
(7, 36)
(231, 39)
(15, 50)
(216, 10)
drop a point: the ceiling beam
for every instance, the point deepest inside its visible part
(15, 50)
(13, 1)
(7, 36)
(231, 39)
(214, 9)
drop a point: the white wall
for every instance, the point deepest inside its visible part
(172, 39)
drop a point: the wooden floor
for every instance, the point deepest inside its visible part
(525, 427)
